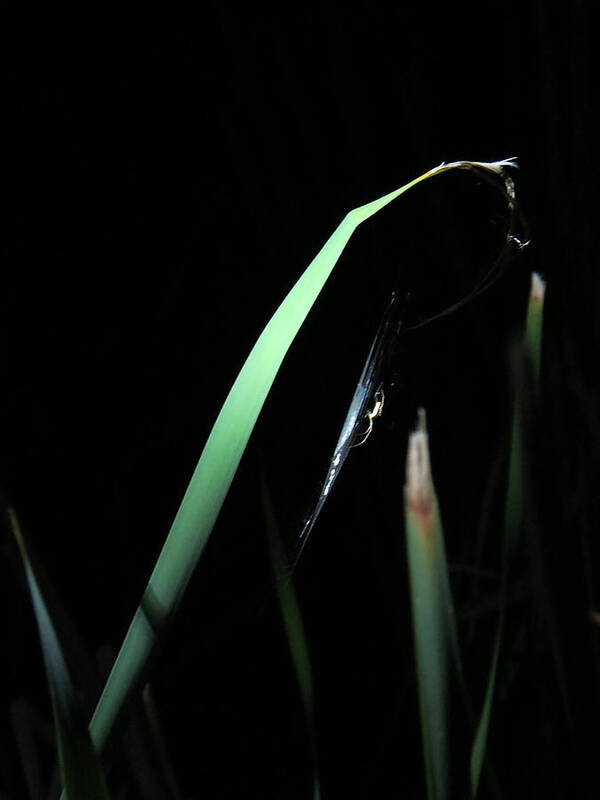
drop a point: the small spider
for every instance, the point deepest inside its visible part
(375, 412)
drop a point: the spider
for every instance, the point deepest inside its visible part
(375, 412)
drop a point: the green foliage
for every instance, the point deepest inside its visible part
(431, 600)
(441, 682)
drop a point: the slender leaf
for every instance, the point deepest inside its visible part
(434, 628)
(294, 630)
(535, 316)
(80, 767)
(222, 453)
(513, 515)
(159, 743)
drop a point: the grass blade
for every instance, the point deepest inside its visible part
(159, 744)
(481, 734)
(515, 499)
(80, 767)
(222, 453)
(294, 630)
(535, 317)
(434, 629)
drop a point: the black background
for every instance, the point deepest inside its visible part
(167, 177)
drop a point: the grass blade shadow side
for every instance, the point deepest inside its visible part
(80, 767)
(294, 631)
(514, 513)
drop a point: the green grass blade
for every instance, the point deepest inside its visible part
(159, 744)
(80, 767)
(481, 734)
(294, 630)
(434, 629)
(515, 499)
(535, 318)
(221, 456)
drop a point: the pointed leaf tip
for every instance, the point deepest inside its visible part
(419, 484)
(538, 289)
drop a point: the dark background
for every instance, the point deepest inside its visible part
(167, 177)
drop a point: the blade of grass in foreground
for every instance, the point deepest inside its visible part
(434, 629)
(220, 458)
(81, 772)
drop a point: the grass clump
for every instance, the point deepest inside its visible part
(442, 687)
